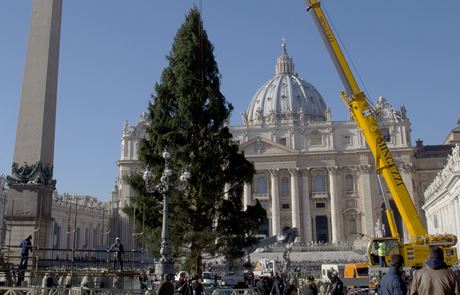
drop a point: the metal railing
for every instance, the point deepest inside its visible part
(66, 291)
(75, 258)
(230, 292)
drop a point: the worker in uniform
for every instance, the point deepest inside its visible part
(118, 250)
(26, 246)
(381, 251)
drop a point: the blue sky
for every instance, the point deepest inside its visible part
(113, 51)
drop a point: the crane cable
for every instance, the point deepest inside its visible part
(371, 105)
(395, 151)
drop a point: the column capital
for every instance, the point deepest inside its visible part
(333, 170)
(364, 169)
(274, 172)
(407, 167)
(294, 171)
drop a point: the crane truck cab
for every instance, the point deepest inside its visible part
(414, 252)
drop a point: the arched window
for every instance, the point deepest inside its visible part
(351, 225)
(284, 186)
(57, 236)
(349, 183)
(261, 185)
(319, 183)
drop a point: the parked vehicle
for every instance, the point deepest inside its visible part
(232, 279)
(353, 275)
(209, 278)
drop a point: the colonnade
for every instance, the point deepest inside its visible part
(300, 193)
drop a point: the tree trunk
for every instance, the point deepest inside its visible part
(198, 265)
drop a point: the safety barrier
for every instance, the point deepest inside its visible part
(232, 292)
(67, 291)
(360, 291)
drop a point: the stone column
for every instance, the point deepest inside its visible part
(335, 213)
(247, 200)
(406, 171)
(276, 222)
(295, 198)
(367, 222)
(31, 179)
(457, 219)
(307, 227)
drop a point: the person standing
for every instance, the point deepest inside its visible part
(143, 281)
(181, 284)
(166, 287)
(270, 282)
(291, 288)
(336, 287)
(249, 279)
(278, 286)
(381, 251)
(435, 277)
(117, 247)
(197, 287)
(309, 287)
(26, 246)
(261, 287)
(392, 283)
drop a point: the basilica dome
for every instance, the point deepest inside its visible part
(285, 99)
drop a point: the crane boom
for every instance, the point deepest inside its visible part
(361, 110)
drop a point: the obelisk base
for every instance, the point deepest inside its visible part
(28, 213)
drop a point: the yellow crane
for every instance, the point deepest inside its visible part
(415, 252)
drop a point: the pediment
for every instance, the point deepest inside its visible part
(263, 146)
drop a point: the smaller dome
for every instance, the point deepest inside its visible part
(285, 99)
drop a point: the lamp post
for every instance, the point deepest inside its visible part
(164, 188)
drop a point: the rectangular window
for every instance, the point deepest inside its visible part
(316, 140)
(285, 206)
(284, 187)
(347, 140)
(386, 134)
(320, 205)
(282, 141)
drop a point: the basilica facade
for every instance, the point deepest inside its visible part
(312, 172)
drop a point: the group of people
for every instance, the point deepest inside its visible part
(278, 285)
(435, 278)
(183, 286)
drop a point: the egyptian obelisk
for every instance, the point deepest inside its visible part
(31, 181)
